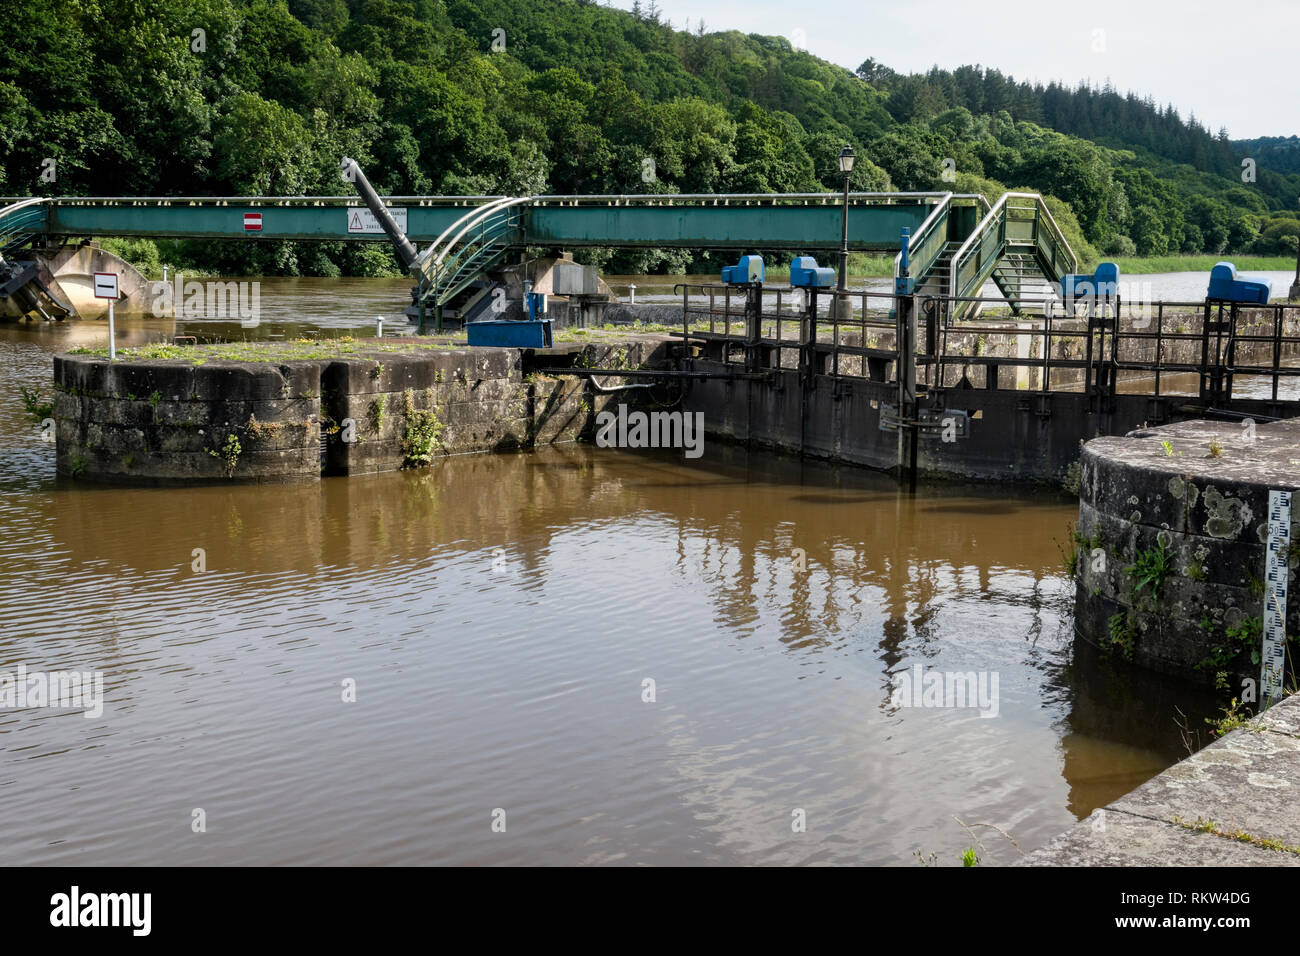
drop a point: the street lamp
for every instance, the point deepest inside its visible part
(1294, 293)
(846, 167)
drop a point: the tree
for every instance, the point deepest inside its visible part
(262, 149)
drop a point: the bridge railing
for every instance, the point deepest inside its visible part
(604, 199)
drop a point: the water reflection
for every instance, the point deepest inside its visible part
(500, 615)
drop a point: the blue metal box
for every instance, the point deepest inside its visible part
(510, 333)
(1103, 284)
(1224, 284)
(806, 274)
(749, 269)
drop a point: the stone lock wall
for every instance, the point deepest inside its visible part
(1161, 491)
(170, 421)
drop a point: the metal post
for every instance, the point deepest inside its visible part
(807, 363)
(112, 338)
(808, 337)
(1295, 286)
(753, 324)
(842, 284)
(905, 344)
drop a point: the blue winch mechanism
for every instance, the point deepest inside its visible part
(1225, 286)
(748, 271)
(1101, 286)
(806, 274)
(530, 333)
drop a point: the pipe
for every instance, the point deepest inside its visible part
(405, 251)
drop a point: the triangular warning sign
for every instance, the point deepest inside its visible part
(356, 221)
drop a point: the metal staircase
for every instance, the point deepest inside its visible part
(455, 262)
(935, 281)
(1020, 279)
(1019, 246)
(937, 240)
(21, 222)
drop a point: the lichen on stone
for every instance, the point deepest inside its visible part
(1184, 490)
(1227, 516)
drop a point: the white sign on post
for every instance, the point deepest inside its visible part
(1273, 653)
(105, 285)
(106, 288)
(363, 222)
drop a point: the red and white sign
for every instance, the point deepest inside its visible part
(252, 222)
(106, 285)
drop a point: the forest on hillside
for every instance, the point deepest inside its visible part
(222, 97)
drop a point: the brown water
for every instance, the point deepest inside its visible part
(499, 615)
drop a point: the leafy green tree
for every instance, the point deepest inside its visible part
(908, 160)
(1148, 232)
(262, 149)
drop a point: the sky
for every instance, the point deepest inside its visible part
(1226, 62)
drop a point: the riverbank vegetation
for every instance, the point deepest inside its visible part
(228, 97)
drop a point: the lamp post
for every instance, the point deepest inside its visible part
(1294, 293)
(846, 167)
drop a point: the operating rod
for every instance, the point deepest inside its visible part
(405, 251)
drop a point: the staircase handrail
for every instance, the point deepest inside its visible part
(432, 256)
(994, 218)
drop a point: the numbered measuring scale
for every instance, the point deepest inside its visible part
(1273, 653)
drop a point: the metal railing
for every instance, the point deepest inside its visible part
(927, 245)
(465, 248)
(20, 220)
(855, 340)
(610, 199)
(1016, 222)
(1099, 347)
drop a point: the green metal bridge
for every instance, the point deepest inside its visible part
(958, 242)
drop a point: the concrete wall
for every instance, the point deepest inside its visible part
(1211, 515)
(1231, 804)
(168, 421)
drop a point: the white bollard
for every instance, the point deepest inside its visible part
(379, 326)
(631, 295)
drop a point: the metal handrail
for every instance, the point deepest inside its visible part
(940, 212)
(429, 250)
(546, 199)
(996, 217)
(19, 220)
(461, 273)
(429, 260)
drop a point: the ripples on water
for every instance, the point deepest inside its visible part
(499, 615)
